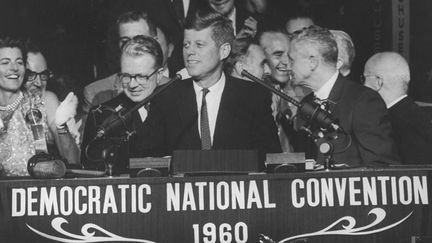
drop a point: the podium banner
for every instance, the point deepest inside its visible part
(341, 206)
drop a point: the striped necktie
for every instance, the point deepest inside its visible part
(204, 123)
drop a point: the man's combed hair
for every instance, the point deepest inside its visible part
(346, 43)
(10, 42)
(322, 40)
(134, 16)
(141, 45)
(222, 29)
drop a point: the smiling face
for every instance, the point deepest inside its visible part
(202, 56)
(224, 7)
(143, 65)
(276, 47)
(36, 63)
(12, 68)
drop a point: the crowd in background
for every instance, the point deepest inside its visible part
(269, 39)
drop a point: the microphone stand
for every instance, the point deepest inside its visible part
(313, 112)
(118, 119)
(121, 119)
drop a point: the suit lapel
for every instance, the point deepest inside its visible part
(187, 112)
(224, 117)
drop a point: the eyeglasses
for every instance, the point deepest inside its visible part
(138, 38)
(126, 78)
(376, 85)
(364, 77)
(44, 75)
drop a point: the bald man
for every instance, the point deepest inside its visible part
(389, 74)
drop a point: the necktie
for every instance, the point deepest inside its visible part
(179, 10)
(204, 123)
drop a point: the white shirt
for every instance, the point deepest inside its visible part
(213, 99)
(394, 102)
(324, 92)
(185, 6)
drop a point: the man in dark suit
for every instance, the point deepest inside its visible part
(360, 111)
(388, 73)
(211, 110)
(141, 70)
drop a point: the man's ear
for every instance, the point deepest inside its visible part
(224, 50)
(339, 63)
(159, 75)
(313, 62)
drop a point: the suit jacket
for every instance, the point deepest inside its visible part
(244, 119)
(413, 132)
(146, 140)
(362, 114)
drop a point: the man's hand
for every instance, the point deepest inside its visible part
(249, 28)
(66, 110)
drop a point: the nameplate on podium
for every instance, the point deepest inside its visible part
(197, 162)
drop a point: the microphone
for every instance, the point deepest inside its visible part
(120, 117)
(310, 111)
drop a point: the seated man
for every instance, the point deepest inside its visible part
(129, 25)
(360, 111)
(211, 110)
(141, 70)
(389, 74)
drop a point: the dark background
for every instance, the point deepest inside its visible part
(74, 34)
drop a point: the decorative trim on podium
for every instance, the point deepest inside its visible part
(350, 229)
(88, 232)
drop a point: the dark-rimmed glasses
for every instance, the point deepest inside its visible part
(44, 75)
(126, 78)
(123, 40)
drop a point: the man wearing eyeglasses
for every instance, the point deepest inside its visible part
(141, 71)
(129, 25)
(360, 111)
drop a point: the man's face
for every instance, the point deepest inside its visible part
(202, 56)
(12, 68)
(36, 63)
(276, 46)
(224, 7)
(139, 65)
(300, 64)
(256, 62)
(128, 31)
(298, 24)
(166, 47)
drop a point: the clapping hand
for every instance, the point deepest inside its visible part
(66, 110)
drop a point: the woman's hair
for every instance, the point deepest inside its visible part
(10, 42)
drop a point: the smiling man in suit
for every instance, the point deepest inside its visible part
(212, 110)
(361, 111)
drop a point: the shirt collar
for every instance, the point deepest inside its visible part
(394, 102)
(324, 92)
(215, 88)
